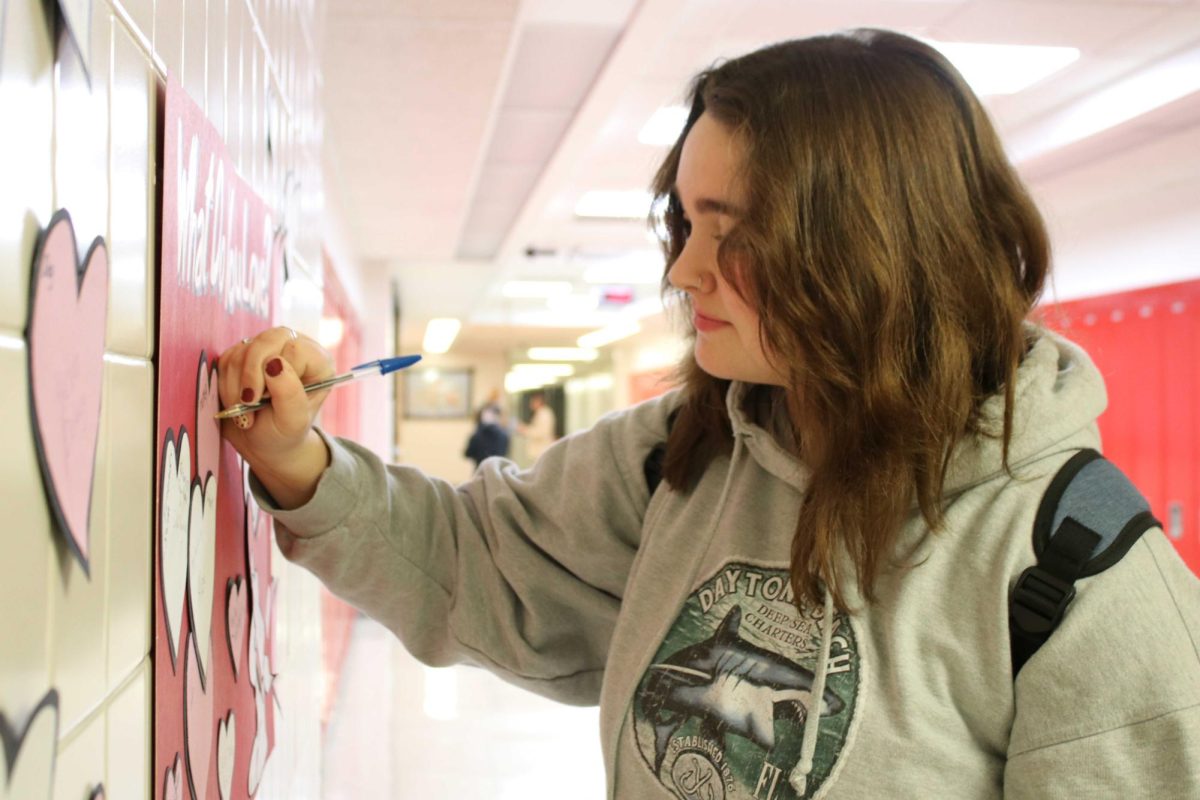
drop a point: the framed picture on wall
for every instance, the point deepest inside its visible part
(437, 393)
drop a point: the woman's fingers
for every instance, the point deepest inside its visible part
(228, 375)
(246, 376)
(291, 414)
(259, 350)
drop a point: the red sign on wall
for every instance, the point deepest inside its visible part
(214, 594)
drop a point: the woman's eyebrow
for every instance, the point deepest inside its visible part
(711, 205)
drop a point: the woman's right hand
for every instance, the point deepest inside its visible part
(277, 441)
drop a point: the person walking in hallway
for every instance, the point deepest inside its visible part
(540, 432)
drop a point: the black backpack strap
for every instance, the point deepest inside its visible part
(1088, 519)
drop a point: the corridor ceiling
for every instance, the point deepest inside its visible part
(461, 134)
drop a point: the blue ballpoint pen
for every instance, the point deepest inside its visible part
(381, 366)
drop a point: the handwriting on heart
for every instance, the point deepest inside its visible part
(208, 428)
(202, 557)
(67, 319)
(173, 781)
(226, 752)
(198, 725)
(235, 620)
(174, 517)
(27, 769)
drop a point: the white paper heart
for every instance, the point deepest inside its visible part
(268, 667)
(174, 517)
(226, 751)
(173, 781)
(258, 635)
(68, 315)
(27, 769)
(208, 428)
(202, 556)
(258, 749)
(198, 725)
(235, 620)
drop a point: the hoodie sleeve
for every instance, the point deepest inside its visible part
(522, 572)
(1109, 707)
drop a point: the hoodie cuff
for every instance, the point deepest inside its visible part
(331, 503)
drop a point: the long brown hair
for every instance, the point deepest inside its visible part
(893, 257)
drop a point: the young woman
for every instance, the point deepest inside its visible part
(814, 601)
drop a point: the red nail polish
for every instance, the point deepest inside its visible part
(247, 395)
(274, 367)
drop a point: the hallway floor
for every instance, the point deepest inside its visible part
(401, 730)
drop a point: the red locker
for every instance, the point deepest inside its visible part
(1147, 345)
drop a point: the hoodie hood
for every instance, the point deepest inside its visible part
(1059, 395)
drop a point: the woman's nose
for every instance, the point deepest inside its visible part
(687, 275)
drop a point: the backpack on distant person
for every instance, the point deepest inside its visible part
(1089, 517)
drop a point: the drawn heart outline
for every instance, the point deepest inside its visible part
(235, 619)
(175, 498)
(202, 558)
(68, 317)
(39, 731)
(197, 725)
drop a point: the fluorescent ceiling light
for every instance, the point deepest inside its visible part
(573, 303)
(610, 334)
(535, 288)
(562, 354)
(523, 381)
(1005, 68)
(439, 334)
(1163, 83)
(550, 370)
(637, 267)
(664, 126)
(614, 204)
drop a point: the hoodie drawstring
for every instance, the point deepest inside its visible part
(812, 719)
(721, 498)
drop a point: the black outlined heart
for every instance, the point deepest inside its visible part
(28, 766)
(68, 316)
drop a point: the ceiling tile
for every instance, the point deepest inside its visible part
(555, 64)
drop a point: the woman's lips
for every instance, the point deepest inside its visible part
(704, 323)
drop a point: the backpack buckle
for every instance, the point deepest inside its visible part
(1039, 600)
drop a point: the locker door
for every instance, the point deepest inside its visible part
(1146, 343)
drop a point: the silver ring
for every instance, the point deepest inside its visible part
(247, 340)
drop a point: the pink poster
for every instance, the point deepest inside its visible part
(214, 702)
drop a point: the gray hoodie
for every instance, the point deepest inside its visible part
(674, 613)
